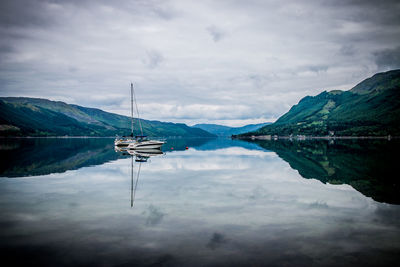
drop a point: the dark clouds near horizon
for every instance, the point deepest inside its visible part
(230, 62)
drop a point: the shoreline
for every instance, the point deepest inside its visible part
(52, 137)
(303, 137)
(82, 137)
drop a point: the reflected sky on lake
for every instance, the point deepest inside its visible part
(219, 207)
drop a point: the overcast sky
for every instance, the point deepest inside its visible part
(230, 62)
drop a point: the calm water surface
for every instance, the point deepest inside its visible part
(77, 202)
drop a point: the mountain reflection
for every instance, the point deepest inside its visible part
(41, 156)
(23, 157)
(369, 166)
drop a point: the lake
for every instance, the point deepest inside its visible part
(220, 202)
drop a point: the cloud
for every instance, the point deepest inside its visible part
(5, 51)
(196, 111)
(370, 11)
(347, 50)
(20, 13)
(388, 58)
(318, 68)
(216, 33)
(190, 62)
(154, 216)
(216, 241)
(154, 58)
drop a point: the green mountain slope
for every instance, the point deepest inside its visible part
(222, 130)
(371, 108)
(21, 116)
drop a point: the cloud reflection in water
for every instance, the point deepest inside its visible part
(231, 206)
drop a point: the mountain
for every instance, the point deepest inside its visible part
(22, 116)
(222, 130)
(371, 108)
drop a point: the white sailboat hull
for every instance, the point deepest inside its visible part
(123, 142)
(146, 145)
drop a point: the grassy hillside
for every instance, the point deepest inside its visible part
(26, 119)
(222, 130)
(21, 116)
(371, 108)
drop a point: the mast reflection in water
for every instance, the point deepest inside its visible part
(140, 157)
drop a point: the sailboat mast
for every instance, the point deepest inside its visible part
(131, 109)
(137, 110)
(132, 181)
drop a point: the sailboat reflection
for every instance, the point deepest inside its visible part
(144, 155)
(140, 157)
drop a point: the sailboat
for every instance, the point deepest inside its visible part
(125, 141)
(140, 142)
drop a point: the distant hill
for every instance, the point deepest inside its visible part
(222, 130)
(372, 108)
(22, 116)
